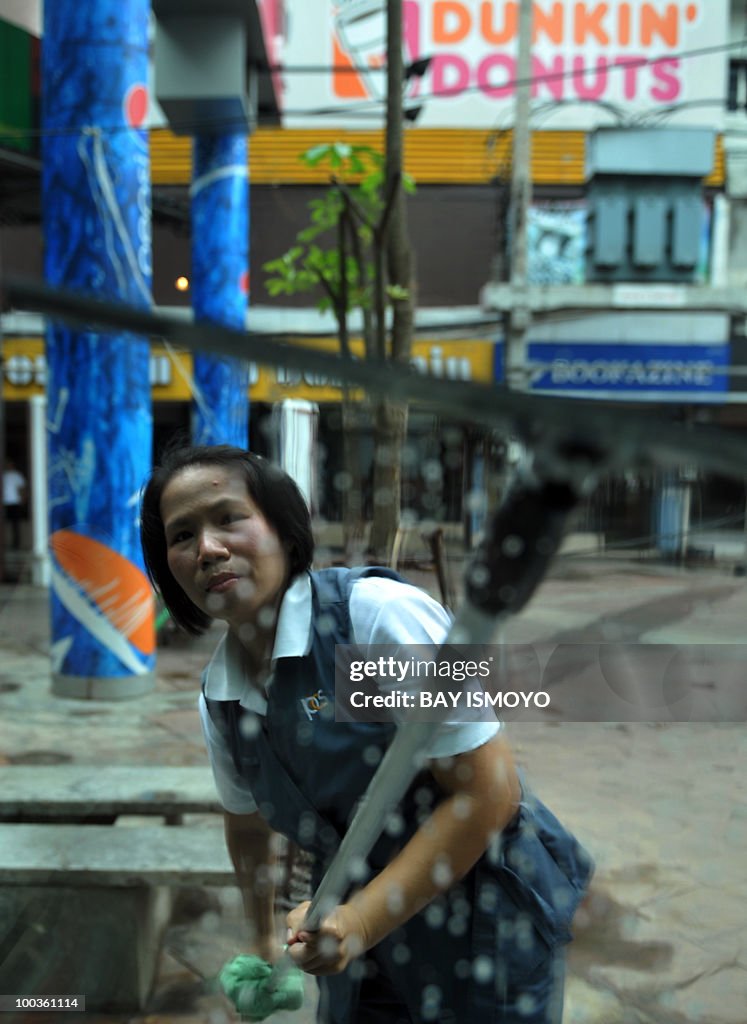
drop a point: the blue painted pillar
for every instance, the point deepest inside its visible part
(672, 514)
(96, 213)
(220, 276)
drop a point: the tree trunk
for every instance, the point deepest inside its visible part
(390, 426)
(352, 484)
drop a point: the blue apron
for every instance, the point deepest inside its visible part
(481, 953)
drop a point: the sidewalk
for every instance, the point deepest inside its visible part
(663, 807)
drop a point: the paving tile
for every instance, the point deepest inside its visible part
(663, 807)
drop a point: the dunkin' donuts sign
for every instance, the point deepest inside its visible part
(591, 61)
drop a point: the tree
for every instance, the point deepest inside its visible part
(367, 265)
(350, 272)
(390, 417)
(349, 218)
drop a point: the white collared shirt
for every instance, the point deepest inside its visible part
(382, 611)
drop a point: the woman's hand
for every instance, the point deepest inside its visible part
(482, 793)
(268, 949)
(340, 939)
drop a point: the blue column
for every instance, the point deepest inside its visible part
(96, 210)
(672, 514)
(220, 261)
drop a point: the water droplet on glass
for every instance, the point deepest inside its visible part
(395, 899)
(249, 725)
(371, 755)
(483, 969)
(435, 916)
(401, 954)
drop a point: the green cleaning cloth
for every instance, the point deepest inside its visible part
(245, 981)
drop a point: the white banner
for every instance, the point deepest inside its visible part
(593, 63)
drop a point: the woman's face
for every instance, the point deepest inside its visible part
(221, 550)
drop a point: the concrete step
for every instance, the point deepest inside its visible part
(113, 856)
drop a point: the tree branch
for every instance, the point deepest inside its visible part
(353, 205)
(324, 282)
(342, 308)
(355, 245)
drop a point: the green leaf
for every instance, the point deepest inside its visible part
(370, 155)
(308, 234)
(371, 187)
(356, 165)
(397, 292)
(306, 281)
(275, 286)
(315, 155)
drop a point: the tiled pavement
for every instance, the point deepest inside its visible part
(663, 806)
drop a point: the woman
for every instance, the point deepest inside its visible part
(464, 906)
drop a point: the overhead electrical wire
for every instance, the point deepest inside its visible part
(374, 108)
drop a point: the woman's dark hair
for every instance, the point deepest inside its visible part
(275, 493)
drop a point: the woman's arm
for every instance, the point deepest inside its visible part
(483, 794)
(250, 843)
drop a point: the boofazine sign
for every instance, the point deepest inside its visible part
(588, 60)
(643, 357)
(698, 370)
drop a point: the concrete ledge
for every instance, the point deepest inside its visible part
(83, 908)
(48, 792)
(104, 855)
(101, 943)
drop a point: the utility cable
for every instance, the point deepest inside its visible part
(374, 107)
